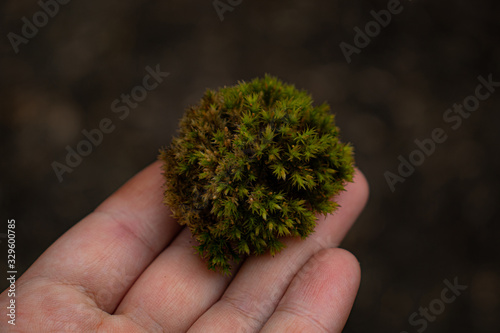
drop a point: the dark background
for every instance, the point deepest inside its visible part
(439, 224)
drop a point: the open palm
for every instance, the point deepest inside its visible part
(129, 267)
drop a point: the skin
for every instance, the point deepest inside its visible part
(129, 267)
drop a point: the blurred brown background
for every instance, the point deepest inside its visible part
(441, 223)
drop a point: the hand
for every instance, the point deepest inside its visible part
(129, 267)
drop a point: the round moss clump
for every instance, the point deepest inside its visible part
(253, 163)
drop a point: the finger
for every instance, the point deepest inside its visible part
(174, 290)
(261, 281)
(104, 253)
(320, 297)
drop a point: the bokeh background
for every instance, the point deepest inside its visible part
(441, 223)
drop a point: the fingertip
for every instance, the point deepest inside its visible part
(351, 202)
(336, 264)
(360, 186)
(348, 265)
(320, 296)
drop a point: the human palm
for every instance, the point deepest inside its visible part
(129, 267)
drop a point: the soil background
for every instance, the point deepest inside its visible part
(439, 224)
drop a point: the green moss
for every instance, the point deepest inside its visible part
(253, 163)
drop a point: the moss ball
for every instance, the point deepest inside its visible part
(253, 163)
